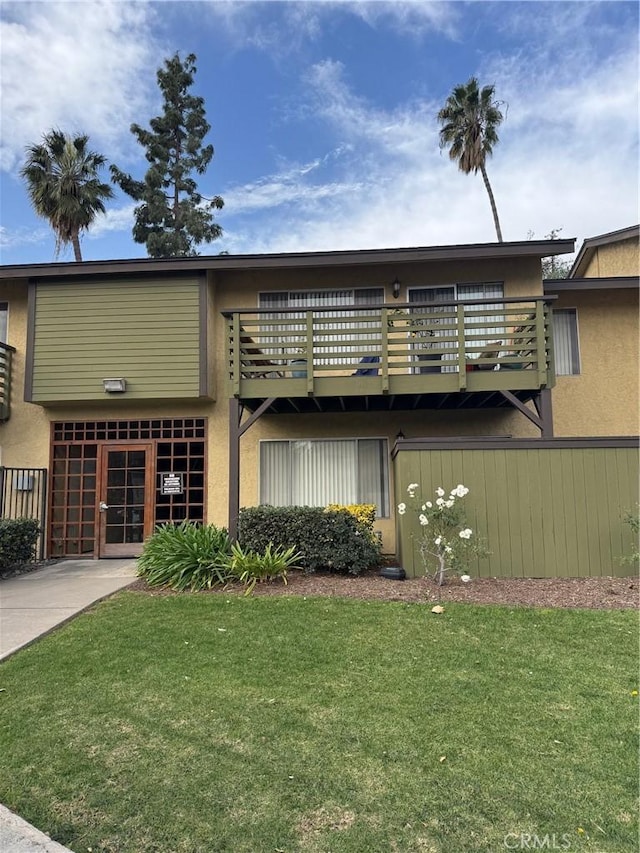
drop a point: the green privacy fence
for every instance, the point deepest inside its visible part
(547, 508)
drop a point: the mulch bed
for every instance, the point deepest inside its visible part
(592, 593)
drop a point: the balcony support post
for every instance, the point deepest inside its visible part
(542, 402)
(236, 430)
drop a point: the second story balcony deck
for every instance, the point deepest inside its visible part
(462, 354)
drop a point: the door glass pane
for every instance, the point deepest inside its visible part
(117, 459)
(125, 497)
(135, 459)
(116, 478)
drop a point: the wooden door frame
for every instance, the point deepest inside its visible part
(101, 490)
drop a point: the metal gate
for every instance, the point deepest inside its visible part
(23, 494)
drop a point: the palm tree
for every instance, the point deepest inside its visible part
(469, 119)
(64, 187)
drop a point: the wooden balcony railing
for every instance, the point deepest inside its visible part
(6, 354)
(471, 345)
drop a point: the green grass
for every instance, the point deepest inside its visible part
(220, 723)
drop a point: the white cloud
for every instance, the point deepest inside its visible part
(78, 66)
(414, 18)
(114, 219)
(9, 239)
(286, 27)
(270, 193)
(567, 159)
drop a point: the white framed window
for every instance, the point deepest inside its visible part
(317, 472)
(292, 303)
(565, 341)
(432, 295)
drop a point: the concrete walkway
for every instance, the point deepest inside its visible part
(32, 605)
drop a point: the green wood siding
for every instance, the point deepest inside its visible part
(544, 512)
(145, 331)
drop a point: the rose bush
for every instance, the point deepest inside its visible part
(445, 542)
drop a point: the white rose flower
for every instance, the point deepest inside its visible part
(402, 508)
(449, 504)
(440, 502)
(412, 487)
(423, 520)
(448, 549)
(440, 492)
(438, 540)
(428, 504)
(465, 578)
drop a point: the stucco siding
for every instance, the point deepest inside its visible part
(603, 399)
(238, 289)
(619, 258)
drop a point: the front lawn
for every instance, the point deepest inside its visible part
(220, 723)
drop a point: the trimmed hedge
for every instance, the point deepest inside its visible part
(18, 538)
(324, 539)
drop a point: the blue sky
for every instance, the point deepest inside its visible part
(323, 116)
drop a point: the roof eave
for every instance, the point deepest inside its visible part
(476, 251)
(559, 285)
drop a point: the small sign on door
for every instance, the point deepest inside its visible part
(171, 484)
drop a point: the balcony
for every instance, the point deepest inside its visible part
(449, 355)
(6, 355)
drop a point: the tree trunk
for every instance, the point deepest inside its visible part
(492, 201)
(75, 241)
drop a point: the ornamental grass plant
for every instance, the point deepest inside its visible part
(193, 557)
(186, 556)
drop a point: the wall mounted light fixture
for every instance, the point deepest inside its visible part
(396, 287)
(114, 386)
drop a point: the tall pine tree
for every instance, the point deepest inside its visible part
(172, 218)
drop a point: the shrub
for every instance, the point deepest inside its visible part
(186, 556)
(18, 537)
(324, 539)
(249, 567)
(364, 514)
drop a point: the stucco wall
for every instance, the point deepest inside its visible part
(614, 259)
(238, 289)
(603, 398)
(24, 439)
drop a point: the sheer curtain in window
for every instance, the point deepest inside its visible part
(320, 472)
(275, 473)
(565, 341)
(324, 472)
(487, 290)
(373, 486)
(480, 290)
(296, 301)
